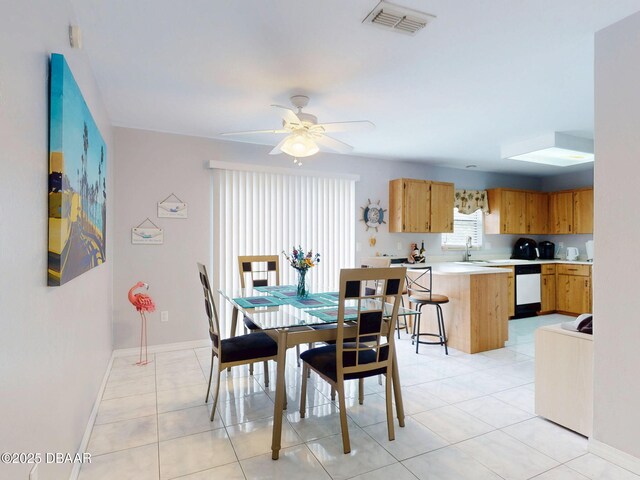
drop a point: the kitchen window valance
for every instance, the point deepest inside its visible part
(468, 201)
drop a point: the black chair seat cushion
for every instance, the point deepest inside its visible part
(323, 360)
(250, 324)
(246, 347)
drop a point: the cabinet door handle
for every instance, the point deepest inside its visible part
(572, 269)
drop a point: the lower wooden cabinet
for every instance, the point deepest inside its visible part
(548, 292)
(573, 294)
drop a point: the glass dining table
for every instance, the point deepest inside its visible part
(291, 321)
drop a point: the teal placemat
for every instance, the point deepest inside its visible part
(335, 296)
(331, 314)
(274, 289)
(254, 302)
(310, 301)
(287, 294)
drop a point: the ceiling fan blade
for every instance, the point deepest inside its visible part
(356, 126)
(250, 132)
(333, 144)
(277, 149)
(289, 116)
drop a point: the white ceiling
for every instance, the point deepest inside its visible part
(484, 74)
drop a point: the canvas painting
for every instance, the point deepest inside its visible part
(77, 181)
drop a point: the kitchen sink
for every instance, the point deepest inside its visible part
(474, 262)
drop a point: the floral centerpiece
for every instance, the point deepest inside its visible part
(302, 262)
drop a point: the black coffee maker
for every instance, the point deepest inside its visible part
(525, 249)
(547, 250)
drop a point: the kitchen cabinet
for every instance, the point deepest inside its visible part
(517, 211)
(583, 211)
(442, 195)
(537, 212)
(571, 211)
(573, 288)
(548, 289)
(511, 290)
(420, 206)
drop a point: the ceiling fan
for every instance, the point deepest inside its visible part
(305, 136)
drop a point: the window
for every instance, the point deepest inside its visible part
(464, 226)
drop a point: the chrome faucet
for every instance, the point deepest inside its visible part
(467, 247)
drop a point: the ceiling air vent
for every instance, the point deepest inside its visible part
(399, 19)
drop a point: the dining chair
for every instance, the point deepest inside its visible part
(420, 288)
(259, 271)
(361, 312)
(385, 262)
(233, 351)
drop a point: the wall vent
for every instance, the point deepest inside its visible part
(397, 18)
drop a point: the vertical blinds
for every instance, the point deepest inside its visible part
(263, 213)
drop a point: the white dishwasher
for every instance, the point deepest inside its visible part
(527, 290)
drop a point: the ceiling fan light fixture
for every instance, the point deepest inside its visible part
(299, 145)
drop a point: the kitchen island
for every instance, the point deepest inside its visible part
(476, 317)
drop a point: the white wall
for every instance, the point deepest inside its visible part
(151, 165)
(616, 299)
(55, 342)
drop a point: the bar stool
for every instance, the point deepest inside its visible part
(420, 293)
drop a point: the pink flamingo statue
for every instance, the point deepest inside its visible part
(143, 303)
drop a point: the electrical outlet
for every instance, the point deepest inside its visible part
(561, 244)
(33, 474)
(164, 316)
(358, 246)
(399, 246)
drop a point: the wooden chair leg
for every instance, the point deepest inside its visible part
(251, 369)
(390, 427)
(346, 444)
(266, 374)
(303, 391)
(215, 397)
(298, 355)
(361, 391)
(206, 399)
(333, 393)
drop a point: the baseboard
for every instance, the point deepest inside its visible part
(165, 347)
(92, 418)
(614, 455)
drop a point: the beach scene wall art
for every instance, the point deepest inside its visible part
(77, 181)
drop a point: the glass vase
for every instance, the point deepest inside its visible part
(302, 286)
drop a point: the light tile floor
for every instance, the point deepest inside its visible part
(468, 417)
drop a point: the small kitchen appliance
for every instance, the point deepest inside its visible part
(547, 250)
(589, 247)
(572, 254)
(525, 249)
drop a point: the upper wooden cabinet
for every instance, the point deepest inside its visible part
(420, 206)
(583, 210)
(571, 211)
(517, 211)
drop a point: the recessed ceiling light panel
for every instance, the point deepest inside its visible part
(557, 149)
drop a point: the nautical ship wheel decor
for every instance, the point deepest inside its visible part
(373, 215)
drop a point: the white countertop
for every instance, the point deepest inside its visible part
(480, 266)
(457, 268)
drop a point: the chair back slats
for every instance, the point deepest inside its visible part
(372, 347)
(420, 282)
(259, 270)
(210, 309)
